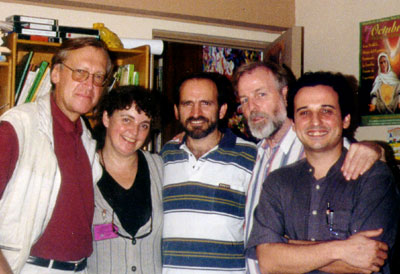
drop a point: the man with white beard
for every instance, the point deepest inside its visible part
(262, 89)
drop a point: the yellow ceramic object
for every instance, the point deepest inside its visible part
(110, 38)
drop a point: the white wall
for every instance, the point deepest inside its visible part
(128, 26)
(331, 31)
(332, 38)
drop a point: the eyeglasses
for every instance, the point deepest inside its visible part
(81, 75)
(133, 239)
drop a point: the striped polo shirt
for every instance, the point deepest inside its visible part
(204, 206)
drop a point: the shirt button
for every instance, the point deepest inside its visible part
(314, 212)
(312, 239)
(317, 187)
(133, 268)
(310, 170)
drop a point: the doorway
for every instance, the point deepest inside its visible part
(183, 54)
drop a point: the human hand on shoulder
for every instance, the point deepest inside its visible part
(360, 157)
(179, 137)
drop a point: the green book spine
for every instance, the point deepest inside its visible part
(23, 76)
(42, 69)
(136, 80)
(131, 70)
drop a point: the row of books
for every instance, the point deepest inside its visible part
(125, 75)
(33, 81)
(46, 29)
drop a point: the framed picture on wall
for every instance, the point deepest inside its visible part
(379, 94)
(225, 61)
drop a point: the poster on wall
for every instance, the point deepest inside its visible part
(379, 94)
(225, 61)
(393, 139)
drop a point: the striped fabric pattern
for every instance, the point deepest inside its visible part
(288, 151)
(204, 204)
(119, 255)
(202, 197)
(204, 253)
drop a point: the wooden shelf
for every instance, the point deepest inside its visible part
(44, 51)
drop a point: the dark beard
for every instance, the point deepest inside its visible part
(198, 133)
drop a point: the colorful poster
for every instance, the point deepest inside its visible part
(394, 141)
(224, 61)
(379, 71)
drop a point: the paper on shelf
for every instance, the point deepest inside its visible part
(156, 46)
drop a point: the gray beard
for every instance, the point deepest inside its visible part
(268, 129)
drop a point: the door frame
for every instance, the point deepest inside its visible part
(210, 40)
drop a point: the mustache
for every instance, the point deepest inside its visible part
(200, 118)
(255, 114)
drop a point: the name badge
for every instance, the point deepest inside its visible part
(221, 185)
(104, 232)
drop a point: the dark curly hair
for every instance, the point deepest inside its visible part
(122, 98)
(345, 87)
(337, 81)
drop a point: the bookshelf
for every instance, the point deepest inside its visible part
(5, 83)
(43, 51)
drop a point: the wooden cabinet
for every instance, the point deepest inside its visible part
(44, 51)
(5, 84)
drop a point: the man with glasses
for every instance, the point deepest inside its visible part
(309, 217)
(46, 179)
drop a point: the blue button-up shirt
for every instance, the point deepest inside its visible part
(294, 204)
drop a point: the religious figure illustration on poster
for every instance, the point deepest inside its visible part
(379, 71)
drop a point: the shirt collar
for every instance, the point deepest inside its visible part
(228, 139)
(336, 166)
(339, 163)
(286, 140)
(60, 118)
